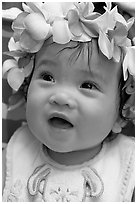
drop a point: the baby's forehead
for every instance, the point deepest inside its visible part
(83, 56)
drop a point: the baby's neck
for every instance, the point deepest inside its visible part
(75, 157)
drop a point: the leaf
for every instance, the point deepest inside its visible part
(28, 68)
(15, 78)
(16, 105)
(23, 61)
(15, 101)
(14, 53)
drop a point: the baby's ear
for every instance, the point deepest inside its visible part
(118, 125)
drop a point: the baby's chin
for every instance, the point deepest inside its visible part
(60, 149)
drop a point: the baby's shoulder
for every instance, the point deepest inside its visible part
(125, 142)
(123, 147)
(122, 141)
(21, 137)
(22, 144)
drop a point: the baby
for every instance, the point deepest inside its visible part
(75, 69)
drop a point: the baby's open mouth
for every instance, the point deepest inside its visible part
(61, 123)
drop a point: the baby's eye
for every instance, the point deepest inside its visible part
(47, 77)
(89, 85)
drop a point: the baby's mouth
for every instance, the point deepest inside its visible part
(60, 123)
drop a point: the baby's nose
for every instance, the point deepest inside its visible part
(62, 99)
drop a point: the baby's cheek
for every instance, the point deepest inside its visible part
(100, 116)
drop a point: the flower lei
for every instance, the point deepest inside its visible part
(77, 22)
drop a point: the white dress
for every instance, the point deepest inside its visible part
(33, 176)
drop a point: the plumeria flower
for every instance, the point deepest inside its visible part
(15, 76)
(17, 69)
(55, 13)
(33, 28)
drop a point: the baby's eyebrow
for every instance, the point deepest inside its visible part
(46, 61)
(94, 75)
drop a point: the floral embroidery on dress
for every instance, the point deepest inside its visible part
(15, 192)
(52, 185)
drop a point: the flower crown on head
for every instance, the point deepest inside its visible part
(66, 21)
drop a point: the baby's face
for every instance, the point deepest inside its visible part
(70, 107)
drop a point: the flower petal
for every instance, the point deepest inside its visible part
(53, 8)
(125, 66)
(105, 45)
(26, 8)
(83, 38)
(116, 53)
(129, 62)
(90, 27)
(11, 13)
(8, 64)
(28, 44)
(15, 78)
(12, 45)
(85, 8)
(67, 6)
(119, 18)
(73, 23)
(61, 32)
(109, 5)
(18, 22)
(107, 20)
(37, 47)
(35, 6)
(88, 9)
(59, 9)
(130, 22)
(36, 26)
(119, 34)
